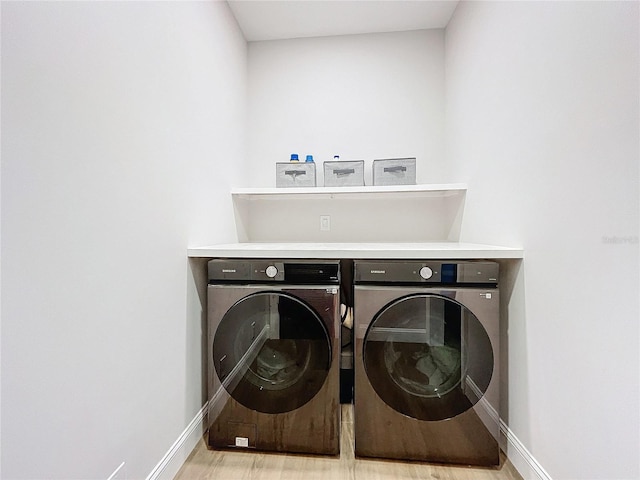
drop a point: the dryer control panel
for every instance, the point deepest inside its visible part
(298, 272)
(437, 272)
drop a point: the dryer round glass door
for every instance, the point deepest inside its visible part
(428, 357)
(271, 352)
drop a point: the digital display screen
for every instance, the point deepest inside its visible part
(449, 273)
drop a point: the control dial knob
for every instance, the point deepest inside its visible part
(426, 273)
(271, 271)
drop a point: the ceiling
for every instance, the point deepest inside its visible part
(280, 19)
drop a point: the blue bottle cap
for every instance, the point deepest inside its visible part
(294, 157)
(309, 158)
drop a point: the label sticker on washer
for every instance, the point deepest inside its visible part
(332, 290)
(242, 442)
(486, 295)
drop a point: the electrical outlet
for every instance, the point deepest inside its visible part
(120, 473)
(325, 223)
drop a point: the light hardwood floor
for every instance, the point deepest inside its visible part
(204, 464)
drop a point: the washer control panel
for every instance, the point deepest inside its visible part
(267, 270)
(439, 272)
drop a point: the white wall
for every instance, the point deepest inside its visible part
(119, 122)
(543, 124)
(359, 96)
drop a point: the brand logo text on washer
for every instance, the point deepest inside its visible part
(228, 270)
(378, 271)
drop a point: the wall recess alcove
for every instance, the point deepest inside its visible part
(406, 213)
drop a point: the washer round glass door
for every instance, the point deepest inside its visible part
(428, 357)
(272, 352)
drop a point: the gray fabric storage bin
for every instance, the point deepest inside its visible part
(394, 171)
(348, 173)
(292, 174)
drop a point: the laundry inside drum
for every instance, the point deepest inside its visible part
(423, 370)
(280, 363)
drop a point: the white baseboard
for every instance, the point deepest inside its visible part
(169, 465)
(520, 457)
(517, 453)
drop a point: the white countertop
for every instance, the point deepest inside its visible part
(440, 250)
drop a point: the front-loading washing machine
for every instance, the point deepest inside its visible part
(427, 361)
(274, 355)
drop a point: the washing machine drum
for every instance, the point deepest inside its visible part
(272, 352)
(428, 357)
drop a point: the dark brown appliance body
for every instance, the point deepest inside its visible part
(398, 418)
(297, 409)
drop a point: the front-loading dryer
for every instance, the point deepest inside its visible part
(427, 361)
(274, 355)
